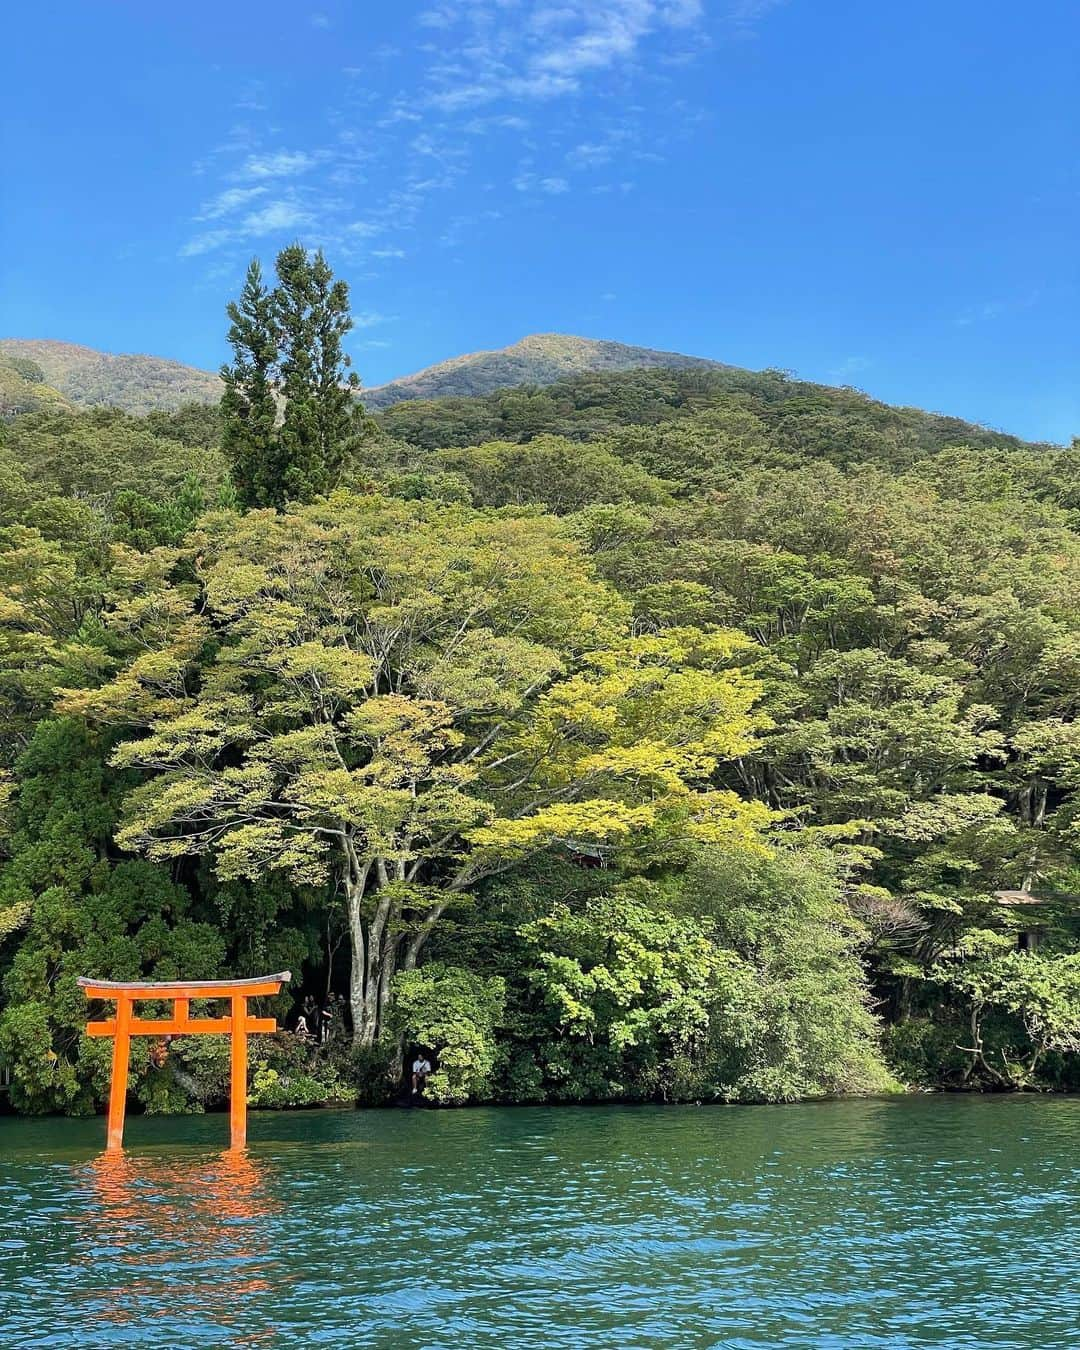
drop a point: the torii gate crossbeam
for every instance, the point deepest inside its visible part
(238, 1025)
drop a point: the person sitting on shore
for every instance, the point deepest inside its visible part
(421, 1068)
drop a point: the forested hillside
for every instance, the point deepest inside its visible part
(70, 375)
(86, 378)
(23, 388)
(652, 735)
(759, 416)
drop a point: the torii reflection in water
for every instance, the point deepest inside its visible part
(184, 1242)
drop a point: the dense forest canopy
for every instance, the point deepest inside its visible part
(659, 734)
(795, 418)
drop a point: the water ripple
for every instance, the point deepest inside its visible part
(840, 1226)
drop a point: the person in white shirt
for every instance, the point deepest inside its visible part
(421, 1067)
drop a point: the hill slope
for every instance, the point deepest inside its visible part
(23, 389)
(575, 387)
(541, 359)
(763, 417)
(87, 378)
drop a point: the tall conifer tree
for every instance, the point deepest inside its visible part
(292, 419)
(249, 405)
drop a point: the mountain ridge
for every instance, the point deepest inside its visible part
(39, 374)
(538, 358)
(133, 381)
(138, 382)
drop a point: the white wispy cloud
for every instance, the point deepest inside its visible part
(610, 33)
(742, 15)
(438, 16)
(988, 310)
(225, 203)
(541, 51)
(205, 242)
(589, 154)
(481, 126)
(615, 142)
(275, 216)
(480, 70)
(279, 164)
(527, 181)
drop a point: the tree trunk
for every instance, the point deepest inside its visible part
(373, 954)
(366, 973)
(372, 971)
(365, 950)
(354, 894)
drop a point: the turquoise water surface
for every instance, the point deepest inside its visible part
(908, 1222)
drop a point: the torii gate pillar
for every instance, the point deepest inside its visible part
(238, 1026)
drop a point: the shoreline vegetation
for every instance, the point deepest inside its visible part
(686, 734)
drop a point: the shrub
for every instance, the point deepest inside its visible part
(289, 1071)
(455, 1013)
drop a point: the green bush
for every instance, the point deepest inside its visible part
(621, 992)
(923, 1053)
(270, 1089)
(289, 1072)
(454, 1013)
(369, 1072)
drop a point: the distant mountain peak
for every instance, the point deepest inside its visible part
(86, 378)
(539, 358)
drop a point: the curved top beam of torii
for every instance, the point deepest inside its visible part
(250, 988)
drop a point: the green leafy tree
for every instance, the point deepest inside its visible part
(322, 422)
(800, 1024)
(557, 473)
(1042, 994)
(380, 696)
(80, 910)
(457, 1014)
(625, 991)
(94, 456)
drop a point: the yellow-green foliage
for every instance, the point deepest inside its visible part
(768, 646)
(349, 645)
(380, 695)
(23, 389)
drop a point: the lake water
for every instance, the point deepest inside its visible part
(912, 1222)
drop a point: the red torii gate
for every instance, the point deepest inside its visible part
(237, 1024)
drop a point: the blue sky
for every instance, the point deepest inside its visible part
(879, 194)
